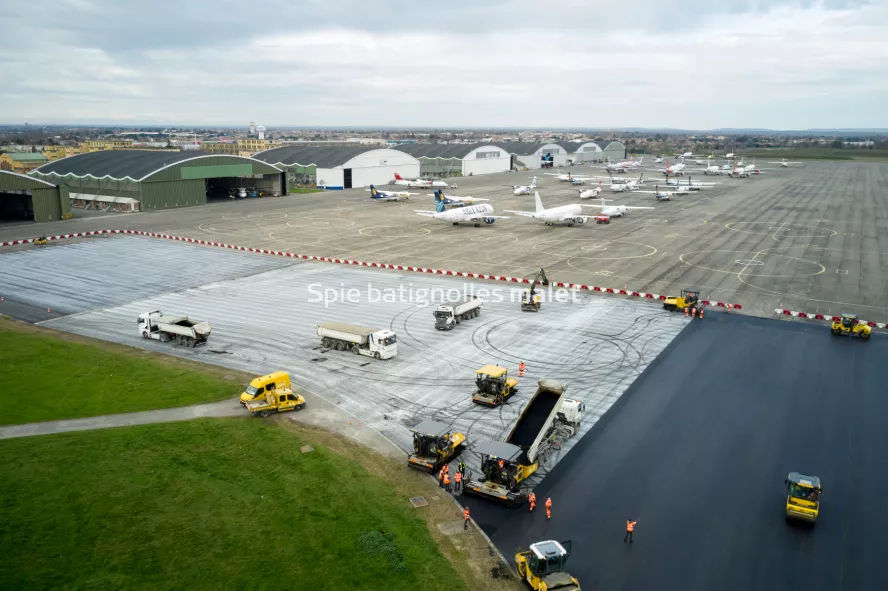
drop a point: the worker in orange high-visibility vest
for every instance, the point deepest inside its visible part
(441, 478)
(466, 518)
(548, 508)
(521, 368)
(533, 500)
(630, 527)
(457, 480)
(446, 468)
(447, 482)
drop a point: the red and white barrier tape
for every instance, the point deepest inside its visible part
(625, 292)
(795, 314)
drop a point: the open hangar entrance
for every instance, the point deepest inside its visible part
(142, 180)
(26, 199)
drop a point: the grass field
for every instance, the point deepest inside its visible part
(305, 190)
(48, 376)
(209, 504)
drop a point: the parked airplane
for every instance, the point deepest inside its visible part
(566, 214)
(739, 173)
(703, 162)
(420, 183)
(615, 210)
(658, 161)
(472, 213)
(624, 166)
(525, 189)
(783, 163)
(590, 193)
(568, 178)
(714, 169)
(453, 200)
(663, 195)
(389, 195)
(690, 184)
(675, 169)
(729, 156)
(619, 187)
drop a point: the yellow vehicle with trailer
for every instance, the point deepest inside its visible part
(802, 497)
(434, 444)
(281, 400)
(542, 567)
(689, 298)
(849, 325)
(262, 385)
(493, 386)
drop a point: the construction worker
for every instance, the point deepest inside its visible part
(447, 482)
(466, 518)
(533, 500)
(548, 508)
(441, 478)
(446, 468)
(521, 369)
(630, 527)
(457, 479)
(462, 467)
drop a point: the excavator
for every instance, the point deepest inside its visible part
(434, 444)
(542, 566)
(849, 325)
(689, 298)
(530, 301)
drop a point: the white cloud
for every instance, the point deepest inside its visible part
(792, 65)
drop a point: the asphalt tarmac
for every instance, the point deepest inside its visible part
(697, 451)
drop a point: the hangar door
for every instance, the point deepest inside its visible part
(346, 178)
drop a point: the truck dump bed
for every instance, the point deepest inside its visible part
(347, 328)
(536, 417)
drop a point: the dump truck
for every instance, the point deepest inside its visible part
(548, 419)
(276, 401)
(434, 444)
(260, 386)
(689, 298)
(802, 497)
(849, 325)
(379, 344)
(493, 386)
(178, 329)
(447, 316)
(542, 567)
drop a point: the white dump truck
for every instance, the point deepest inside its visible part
(447, 316)
(178, 329)
(380, 344)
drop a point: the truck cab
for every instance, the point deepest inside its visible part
(384, 344)
(802, 497)
(276, 401)
(260, 386)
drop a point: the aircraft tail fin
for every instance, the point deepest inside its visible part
(398, 177)
(374, 194)
(439, 201)
(533, 183)
(539, 202)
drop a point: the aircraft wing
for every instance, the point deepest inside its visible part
(429, 214)
(482, 216)
(527, 214)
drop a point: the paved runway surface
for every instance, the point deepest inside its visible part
(810, 238)
(267, 322)
(697, 451)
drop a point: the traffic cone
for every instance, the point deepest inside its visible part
(686, 312)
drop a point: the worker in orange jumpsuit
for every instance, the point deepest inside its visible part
(457, 479)
(548, 508)
(630, 527)
(466, 518)
(447, 482)
(441, 478)
(533, 500)
(521, 368)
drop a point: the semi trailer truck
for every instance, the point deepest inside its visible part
(449, 315)
(178, 329)
(379, 344)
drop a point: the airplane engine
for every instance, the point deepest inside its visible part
(579, 220)
(489, 220)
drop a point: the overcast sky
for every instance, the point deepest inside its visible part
(697, 64)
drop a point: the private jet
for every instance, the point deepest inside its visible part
(389, 195)
(565, 214)
(783, 163)
(615, 210)
(473, 213)
(453, 200)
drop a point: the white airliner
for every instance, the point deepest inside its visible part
(473, 213)
(739, 173)
(729, 155)
(624, 166)
(566, 214)
(525, 189)
(783, 163)
(658, 161)
(568, 178)
(714, 169)
(389, 195)
(590, 193)
(619, 187)
(615, 210)
(675, 169)
(454, 200)
(689, 184)
(420, 183)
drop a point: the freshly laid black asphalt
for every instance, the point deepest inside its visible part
(697, 451)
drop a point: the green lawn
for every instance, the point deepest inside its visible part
(305, 190)
(46, 378)
(210, 504)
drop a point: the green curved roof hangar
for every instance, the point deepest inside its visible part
(155, 179)
(26, 198)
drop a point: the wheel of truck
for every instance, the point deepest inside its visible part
(836, 331)
(325, 342)
(356, 350)
(265, 413)
(376, 355)
(145, 334)
(865, 336)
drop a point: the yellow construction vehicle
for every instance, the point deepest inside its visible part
(434, 444)
(530, 299)
(493, 386)
(41, 240)
(689, 298)
(802, 497)
(503, 468)
(543, 567)
(257, 389)
(849, 325)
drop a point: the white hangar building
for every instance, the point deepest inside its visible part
(459, 159)
(583, 151)
(531, 154)
(341, 167)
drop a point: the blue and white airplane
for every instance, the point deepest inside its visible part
(389, 195)
(453, 200)
(473, 213)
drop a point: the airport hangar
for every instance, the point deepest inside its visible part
(26, 198)
(340, 167)
(144, 180)
(445, 160)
